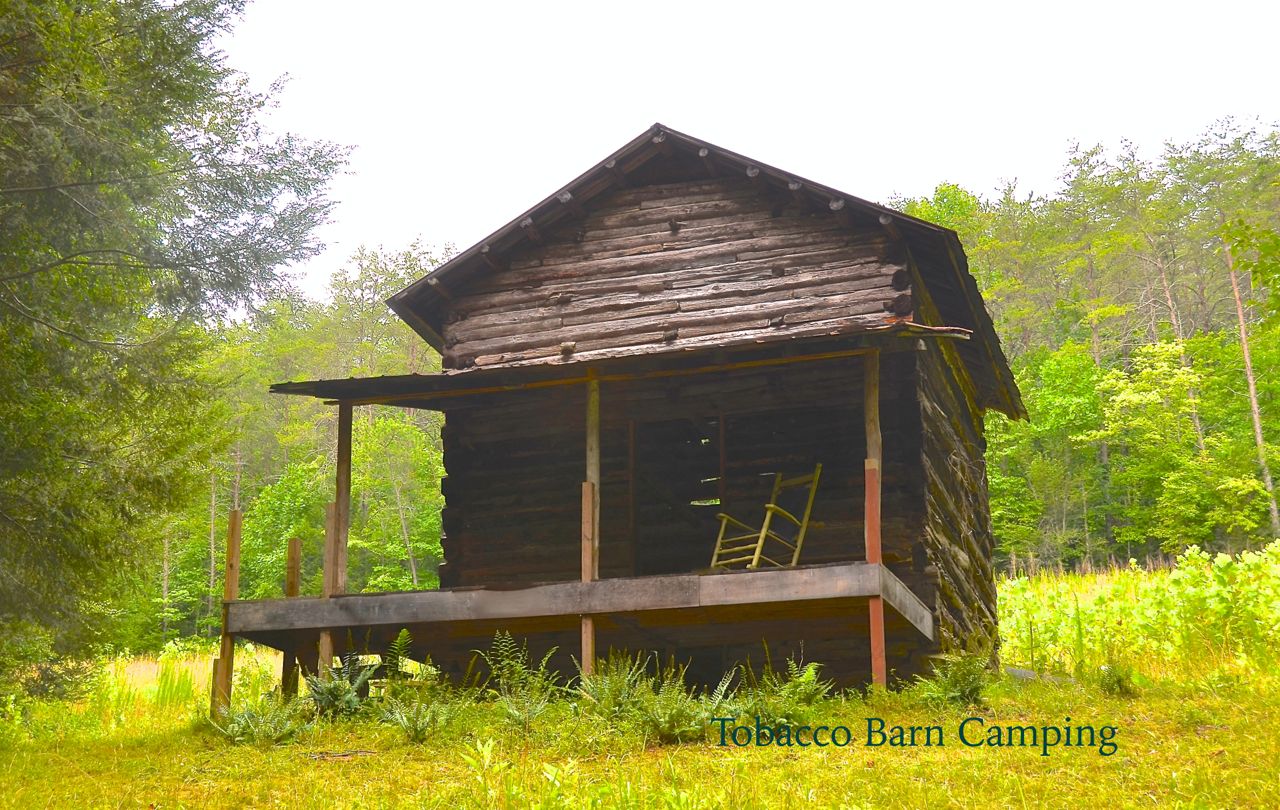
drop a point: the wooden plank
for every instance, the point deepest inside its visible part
(292, 588)
(907, 604)
(566, 599)
(787, 585)
(224, 665)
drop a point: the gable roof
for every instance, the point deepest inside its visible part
(936, 250)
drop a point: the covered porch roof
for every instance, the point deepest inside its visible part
(436, 391)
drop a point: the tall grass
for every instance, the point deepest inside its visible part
(1214, 619)
(140, 696)
(1208, 614)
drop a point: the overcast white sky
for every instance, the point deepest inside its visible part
(464, 114)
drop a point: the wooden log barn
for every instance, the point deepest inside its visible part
(649, 348)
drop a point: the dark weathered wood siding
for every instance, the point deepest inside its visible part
(673, 266)
(957, 522)
(514, 466)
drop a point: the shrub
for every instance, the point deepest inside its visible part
(336, 692)
(58, 678)
(1209, 611)
(957, 680)
(266, 721)
(12, 727)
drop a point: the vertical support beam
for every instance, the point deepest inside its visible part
(329, 587)
(342, 498)
(337, 521)
(633, 553)
(224, 664)
(872, 465)
(292, 587)
(591, 516)
(871, 508)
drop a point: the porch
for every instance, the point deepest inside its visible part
(788, 407)
(662, 613)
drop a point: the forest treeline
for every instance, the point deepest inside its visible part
(1138, 307)
(146, 215)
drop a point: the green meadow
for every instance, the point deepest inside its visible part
(1180, 663)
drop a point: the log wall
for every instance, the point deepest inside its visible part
(514, 466)
(957, 525)
(677, 265)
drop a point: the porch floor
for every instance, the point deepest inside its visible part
(672, 614)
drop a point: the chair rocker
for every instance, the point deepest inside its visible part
(749, 548)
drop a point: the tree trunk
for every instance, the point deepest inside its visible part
(1253, 394)
(213, 543)
(164, 588)
(1176, 322)
(404, 532)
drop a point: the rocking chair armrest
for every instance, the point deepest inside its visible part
(722, 517)
(778, 510)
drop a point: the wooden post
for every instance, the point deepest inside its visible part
(342, 498)
(871, 508)
(224, 664)
(633, 553)
(591, 517)
(328, 587)
(337, 522)
(292, 587)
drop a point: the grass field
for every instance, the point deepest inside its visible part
(1195, 705)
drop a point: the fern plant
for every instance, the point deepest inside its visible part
(266, 721)
(336, 692)
(395, 660)
(613, 690)
(787, 696)
(668, 711)
(524, 690)
(958, 680)
(419, 719)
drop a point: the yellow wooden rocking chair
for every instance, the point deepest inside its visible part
(749, 548)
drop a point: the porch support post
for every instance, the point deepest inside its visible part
(342, 498)
(871, 508)
(325, 658)
(337, 522)
(224, 664)
(292, 587)
(591, 517)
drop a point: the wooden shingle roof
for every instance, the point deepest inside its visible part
(936, 250)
